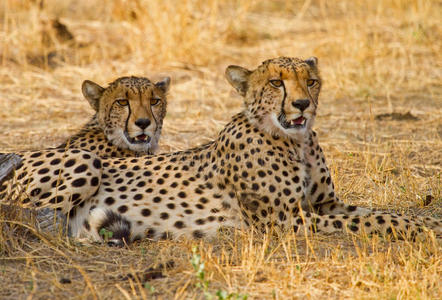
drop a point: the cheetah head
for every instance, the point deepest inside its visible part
(130, 110)
(281, 95)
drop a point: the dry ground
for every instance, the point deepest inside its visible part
(379, 122)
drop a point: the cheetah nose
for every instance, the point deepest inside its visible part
(301, 104)
(142, 123)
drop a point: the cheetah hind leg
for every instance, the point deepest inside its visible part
(8, 163)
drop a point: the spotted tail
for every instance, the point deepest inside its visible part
(376, 223)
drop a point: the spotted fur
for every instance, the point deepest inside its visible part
(264, 169)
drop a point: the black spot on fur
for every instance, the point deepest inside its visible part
(197, 234)
(146, 212)
(79, 182)
(80, 169)
(380, 219)
(94, 181)
(337, 224)
(351, 208)
(69, 163)
(109, 201)
(179, 224)
(97, 163)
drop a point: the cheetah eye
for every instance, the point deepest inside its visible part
(154, 101)
(276, 83)
(123, 102)
(311, 82)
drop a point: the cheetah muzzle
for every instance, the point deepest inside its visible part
(297, 123)
(138, 139)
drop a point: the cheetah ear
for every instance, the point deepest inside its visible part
(92, 92)
(238, 77)
(312, 62)
(163, 85)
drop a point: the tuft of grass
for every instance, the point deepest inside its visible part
(377, 58)
(203, 283)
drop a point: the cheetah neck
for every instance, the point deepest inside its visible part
(242, 140)
(91, 137)
(261, 127)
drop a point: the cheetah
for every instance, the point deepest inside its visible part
(128, 117)
(264, 169)
(127, 122)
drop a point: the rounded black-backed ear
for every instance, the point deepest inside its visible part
(92, 92)
(163, 84)
(312, 62)
(238, 77)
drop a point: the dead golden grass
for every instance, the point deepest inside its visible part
(377, 57)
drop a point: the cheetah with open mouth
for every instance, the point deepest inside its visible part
(128, 117)
(127, 122)
(264, 169)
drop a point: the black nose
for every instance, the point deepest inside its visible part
(301, 104)
(142, 123)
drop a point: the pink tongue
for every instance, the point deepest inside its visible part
(298, 120)
(141, 137)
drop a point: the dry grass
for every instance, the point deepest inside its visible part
(377, 57)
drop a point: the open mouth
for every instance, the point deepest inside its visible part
(139, 139)
(293, 123)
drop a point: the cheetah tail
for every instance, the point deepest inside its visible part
(112, 227)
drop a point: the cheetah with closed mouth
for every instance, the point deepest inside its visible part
(265, 168)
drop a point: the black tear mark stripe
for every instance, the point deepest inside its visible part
(128, 117)
(310, 96)
(151, 112)
(283, 99)
(153, 116)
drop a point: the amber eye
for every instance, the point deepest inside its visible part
(276, 83)
(311, 82)
(154, 101)
(122, 102)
